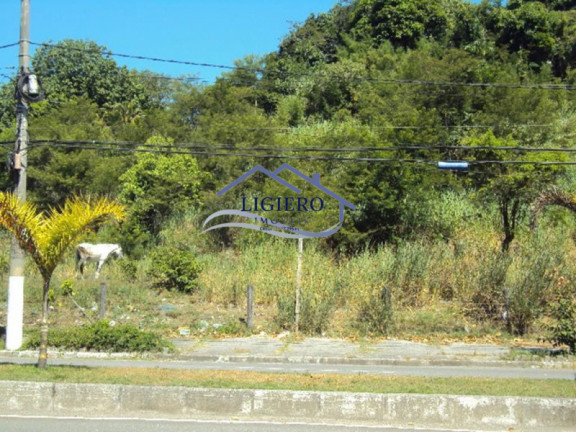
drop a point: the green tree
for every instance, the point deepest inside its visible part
(512, 187)
(83, 68)
(160, 185)
(403, 22)
(58, 172)
(46, 238)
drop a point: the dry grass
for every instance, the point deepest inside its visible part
(278, 381)
(432, 287)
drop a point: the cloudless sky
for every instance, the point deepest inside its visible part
(200, 31)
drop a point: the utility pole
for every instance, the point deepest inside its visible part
(15, 318)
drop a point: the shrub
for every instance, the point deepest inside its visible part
(375, 314)
(101, 336)
(129, 269)
(411, 271)
(174, 269)
(561, 321)
(488, 297)
(530, 282)
(315, 312)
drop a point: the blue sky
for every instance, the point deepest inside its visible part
(201, 31)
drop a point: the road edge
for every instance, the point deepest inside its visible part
(415, 410)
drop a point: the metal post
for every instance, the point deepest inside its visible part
(15, 318)
(103, 293)
(298, 285)
(250, 306)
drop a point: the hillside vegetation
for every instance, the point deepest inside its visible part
(370, 96)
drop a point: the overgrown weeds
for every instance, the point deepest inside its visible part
(459, 288)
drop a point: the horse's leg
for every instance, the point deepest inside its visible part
(100, 264)
(80, 267)
(76, 266)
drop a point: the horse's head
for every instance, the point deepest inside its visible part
(118, 252)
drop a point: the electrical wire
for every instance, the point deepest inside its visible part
(9, 45)
(206, 153)
(211, 146)
(371, 127)
(310, 158)
(547, 86)
(171, 78)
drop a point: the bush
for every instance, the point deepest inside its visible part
(101, 336)
(174, 269)
(561, 322)
(129, 269)
(530, 282)
(315, 312)
(375, 314)
(488, 299)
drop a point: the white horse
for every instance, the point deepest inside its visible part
(96, 252)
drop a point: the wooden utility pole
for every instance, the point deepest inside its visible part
(15, 318)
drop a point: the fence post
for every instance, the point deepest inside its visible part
(250, 306)
(103, 289)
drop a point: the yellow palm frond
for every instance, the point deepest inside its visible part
(22, 220)
(47, 237)
(63, 227)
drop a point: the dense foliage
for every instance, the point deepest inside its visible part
(412, 82)
(368, 73)
(102, 336)
(174, 269)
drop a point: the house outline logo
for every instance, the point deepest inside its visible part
(275, 230)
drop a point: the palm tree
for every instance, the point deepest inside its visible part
(47, 237)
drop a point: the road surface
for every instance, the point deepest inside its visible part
(55, 424)
(323, 368)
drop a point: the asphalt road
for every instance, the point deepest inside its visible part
(287, 367)
(51, 424)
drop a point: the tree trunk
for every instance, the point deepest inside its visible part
(509, 220)
(43, 354)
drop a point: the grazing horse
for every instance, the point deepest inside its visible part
(96, 252)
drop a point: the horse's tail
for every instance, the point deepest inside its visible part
(80, 258)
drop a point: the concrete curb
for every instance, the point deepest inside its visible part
(373, 361)
(382, 361)
(485, 413)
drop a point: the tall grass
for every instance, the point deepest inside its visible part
(430, 284)
(485, 284)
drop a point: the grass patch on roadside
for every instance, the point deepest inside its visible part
(281, 381)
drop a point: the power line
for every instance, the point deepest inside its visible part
(212, 146)
(277, 156)
(414, 93)
(547, 86)
(207, 153)
(10, 45)
(171, 78)
(371, 127)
